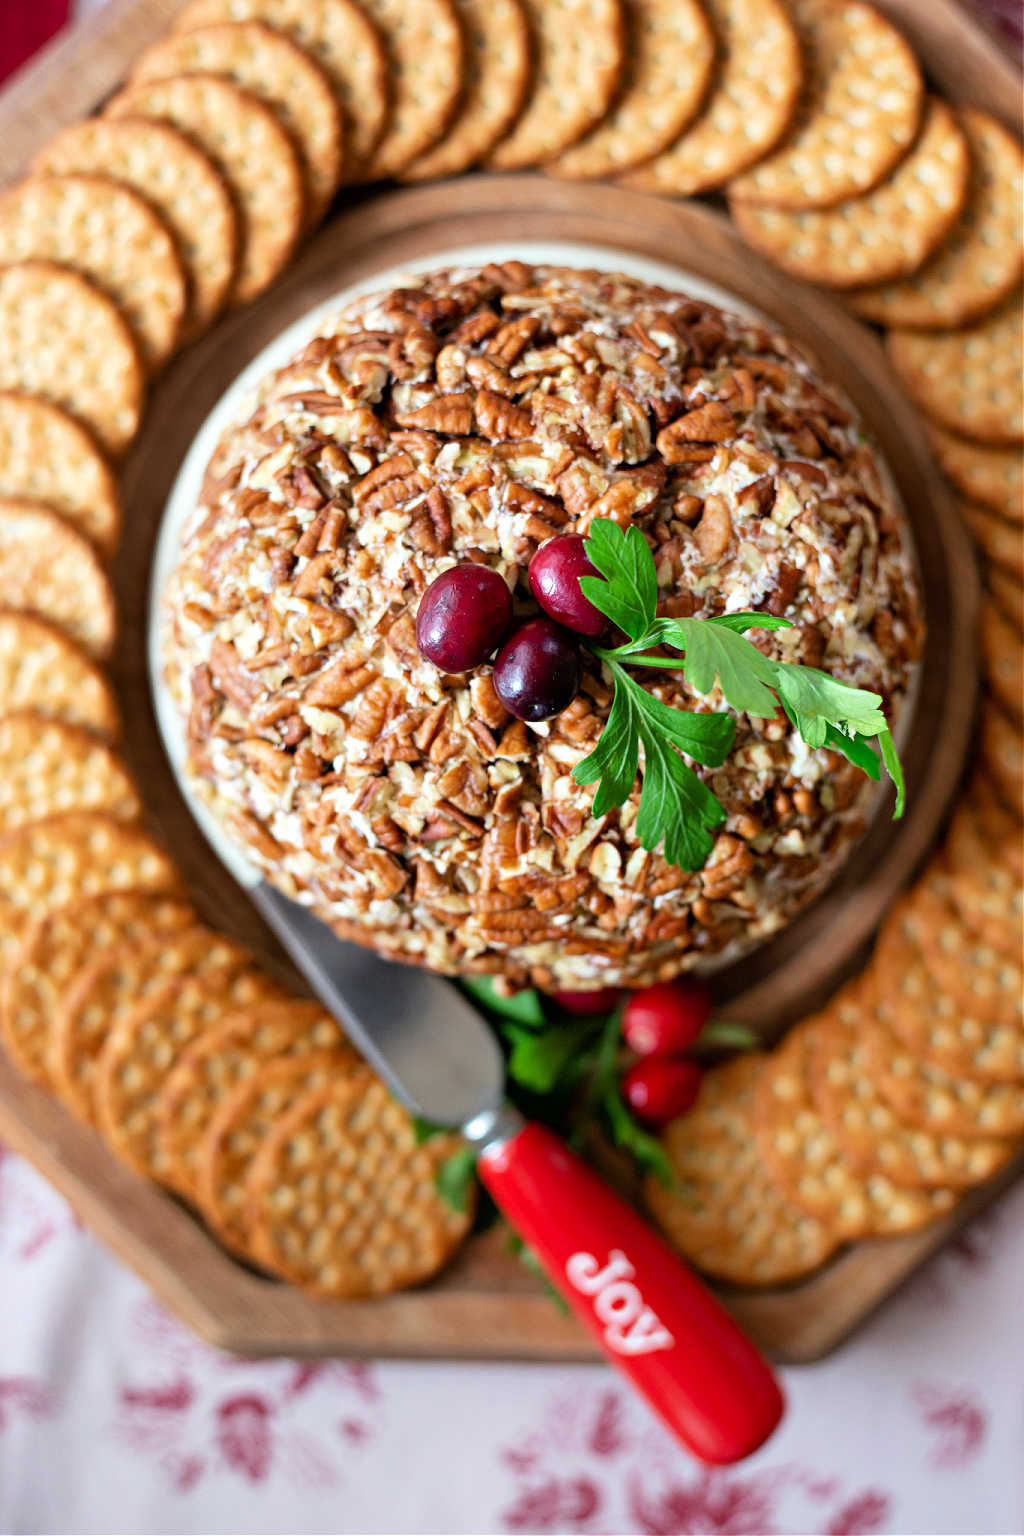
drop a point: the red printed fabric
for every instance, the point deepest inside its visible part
(25, 25)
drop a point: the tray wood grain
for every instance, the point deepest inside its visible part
(485, 1305)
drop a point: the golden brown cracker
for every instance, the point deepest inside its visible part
(64, 340)
(858, 116)
(284, 76)
(883, 234)
(580, 49)
(57, 947)
(1007, 594)
(47, 767)
(342, 1199)
(873, 1137)
(1002, 661)
(669, 60)
(42, 669)
(498, 71)
(982, 981)
(989, 900)
(45, 455)
(252, 151)
(342, 40)
(68, 858)
(423, 41)
(1002, 756)
(221, 1058)
(991, 476)
(47, 568)
(141, 1048)
(241, 1124)
(970, 381)
(980, 263)
(104, 230)
(805, 1158)
(753, 96)
(183, 185)
(1000, 542)
(724, 1211)
(942, 1103)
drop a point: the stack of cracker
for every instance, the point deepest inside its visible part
(187, 196)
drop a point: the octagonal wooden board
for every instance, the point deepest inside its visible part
(486, 1305)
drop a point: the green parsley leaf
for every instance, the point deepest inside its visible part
(525, 1006)
(629, 594)
(724, 1034)
(712, 651)
(456, 1176)
(614, 761)
(539, 1059)
(631, 1136)
(859, 751)
(894, 768)
(423, 1129)
(812, 694)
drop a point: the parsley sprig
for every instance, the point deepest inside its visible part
(677, 811)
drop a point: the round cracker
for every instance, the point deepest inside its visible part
(1002, 659)
(47, 568)
(858, 115)
(804, 1156)
(873, 1137)
(68, 858)
(239, 1127)
(753, 98)
(42, 669)
(47, 767)
(339, 37)
(971, 380)
(60, 945)
(62, 339)
(939, 1102)
(980, 263)
(669, 60)
(983, 829)
(498, 70)
(106, 231)
(1002, 757)
(1008, 596)
(221, 1058)
(1000, 542)
(984, 982)
(46, 456)
(141, 1048)
(885, 233)
(284, 76)
(182, 184)
(992, 476)
(580, 51)
(990, 902)
(423, 40)
(108, 989)
(252, 151)
(724, 1210)
(342, 1199)
(934, 1025)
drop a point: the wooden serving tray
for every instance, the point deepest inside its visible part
(486, 1305)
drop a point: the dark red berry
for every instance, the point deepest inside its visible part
(658, 1090)
(463, 616)
(587, 1004)
(665, 1020)
(537, 672)
(554, 573)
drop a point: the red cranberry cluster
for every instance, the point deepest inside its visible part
(465, 615)
(660, 1025)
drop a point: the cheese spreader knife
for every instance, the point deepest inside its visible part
(657, 1323)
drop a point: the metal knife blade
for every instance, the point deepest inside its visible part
(433, 1049)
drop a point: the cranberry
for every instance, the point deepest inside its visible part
(659, 1090)
(589, 1004)
(537, 672)
(665, 1020)
(555, 572)
(464, 614)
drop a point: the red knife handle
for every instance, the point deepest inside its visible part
(654, 1319)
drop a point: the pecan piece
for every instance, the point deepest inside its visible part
(714, 530)
(450, 414)
(712, 422)
(500, 420)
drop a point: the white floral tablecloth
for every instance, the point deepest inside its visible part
(113, 1419)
